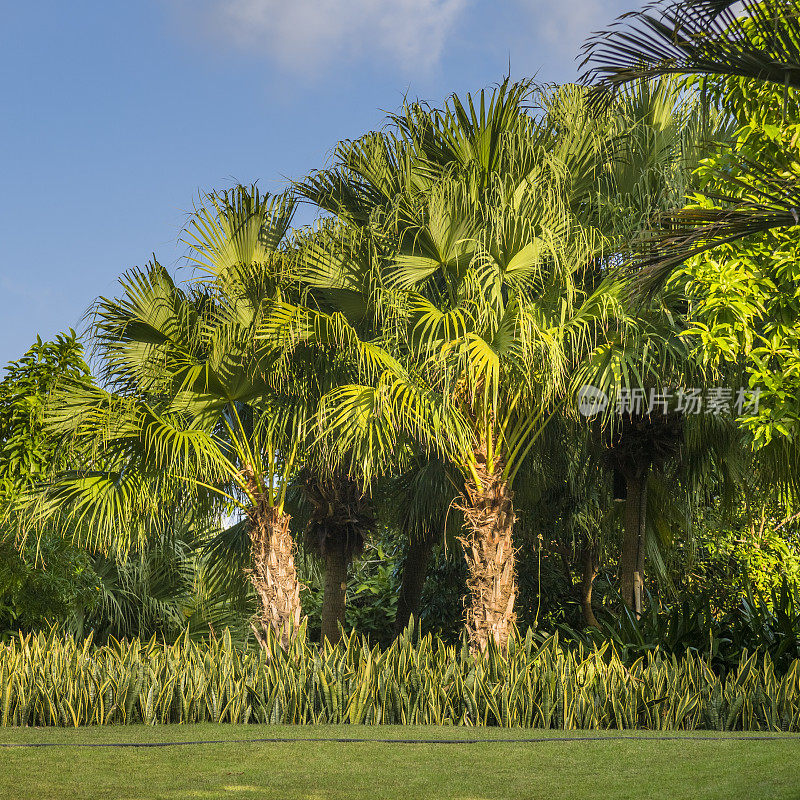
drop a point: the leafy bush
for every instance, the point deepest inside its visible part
(60, 681)
(372, 589)
(755, 626)
(27, 451)
(162, 589)
(44, 582)
(733, 562)
(442, 605)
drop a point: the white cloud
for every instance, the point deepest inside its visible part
(567, 23)
(571, 20)
(544, 37)
(307, 35)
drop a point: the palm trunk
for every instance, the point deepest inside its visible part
(489, 551)
(335, 591)
(415, 569)
(588, 574)
(274, 575)
(340, 521)
(631, 563)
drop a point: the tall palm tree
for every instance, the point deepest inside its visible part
(658, 130)
(199, 407)
(487, 275)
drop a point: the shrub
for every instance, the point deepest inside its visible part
(53, 680)
(768, 626)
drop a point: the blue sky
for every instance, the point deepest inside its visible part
(115, 115)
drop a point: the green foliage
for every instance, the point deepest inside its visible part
(731, 563)
(750, 38)
(768, 626)
(442, 606)
(466, 287)
(745, 295)
(486, 275)
(52, 680)
(44, 583)
(372, 587)
(27, 451)
(163, 589)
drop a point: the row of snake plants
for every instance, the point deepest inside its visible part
(56, 680)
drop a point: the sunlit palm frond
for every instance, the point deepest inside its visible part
(237, 230)
(335, 267)
(471, 134)
(427, 492)
(757, 39)
(367, 174)
(365, 428)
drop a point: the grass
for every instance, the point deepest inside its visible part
(605, 766)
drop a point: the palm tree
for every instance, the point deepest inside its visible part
(338, 316)
(425, 496)
(340, 522)
(199, 406)
(331, 282)
(655, 150)
(487, 274)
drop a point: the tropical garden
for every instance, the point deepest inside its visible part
(509, 435)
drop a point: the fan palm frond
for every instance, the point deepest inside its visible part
(237, 229)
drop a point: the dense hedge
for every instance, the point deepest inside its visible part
(52, 680)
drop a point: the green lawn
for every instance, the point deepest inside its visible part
(604, 767)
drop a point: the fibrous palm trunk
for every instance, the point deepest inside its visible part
(489, 550)
(631, 562)
(335, 590)
(273, 574)
(415, 568)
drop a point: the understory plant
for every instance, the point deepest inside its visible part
(58, 681)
